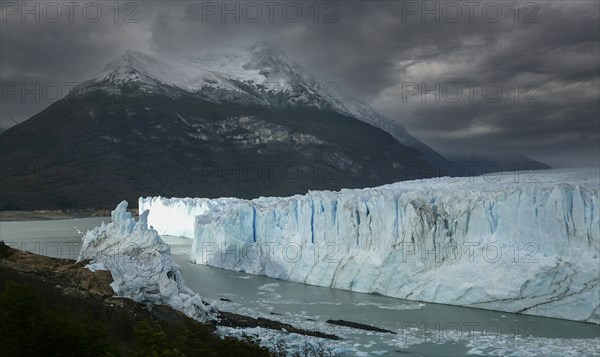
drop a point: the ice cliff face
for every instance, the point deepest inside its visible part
(176, 216)
(140, 263)
(510, 242)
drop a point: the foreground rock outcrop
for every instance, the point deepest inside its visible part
(88, 295)
(54, 306)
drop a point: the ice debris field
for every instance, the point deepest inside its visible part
(516, 242)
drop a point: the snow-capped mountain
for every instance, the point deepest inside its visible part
(240, 122)
(258, 74)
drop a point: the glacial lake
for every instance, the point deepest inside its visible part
(422, 329)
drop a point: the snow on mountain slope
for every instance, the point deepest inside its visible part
(527, 247)
(257, 74)
(140, 263)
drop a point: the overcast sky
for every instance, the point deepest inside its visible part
(543, 56)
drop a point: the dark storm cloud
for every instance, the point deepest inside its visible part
(373, 49)
(40, 49)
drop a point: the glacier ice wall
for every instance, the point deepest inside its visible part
(175, 216)
(140, 263)
(516, 242)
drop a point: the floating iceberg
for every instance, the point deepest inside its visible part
(515, 242)
(140, 263)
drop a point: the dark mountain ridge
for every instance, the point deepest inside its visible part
(129, 142)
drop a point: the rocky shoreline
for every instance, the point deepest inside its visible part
(63, 282)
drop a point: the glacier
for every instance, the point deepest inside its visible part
(175, 216)
(140, 264)
(523, 242)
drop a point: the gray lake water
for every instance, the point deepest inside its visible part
(422, 329)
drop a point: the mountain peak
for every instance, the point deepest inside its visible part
(130, 59)
(269, 46)
(259, 74)
(137, 67)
